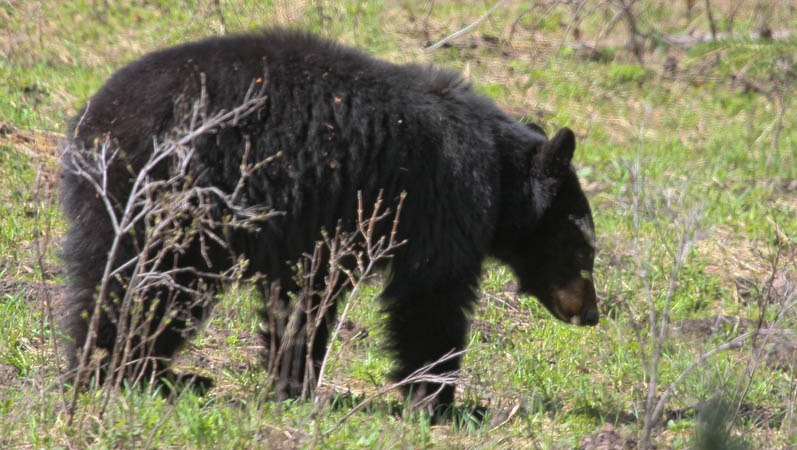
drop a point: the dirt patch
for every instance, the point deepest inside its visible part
(730, 257)
(352, 332)
(607, 438)
(35, 198)
(762, 416)
(31, 263)
(30, 290)
(613, 305)
(780, 352)
(7, 374)
(757, 415)
(488, 331)
(214, 355)
(745, 265)
(33, 292)
(515, 316)
(711, 326)
(42, 149)
(36, 144)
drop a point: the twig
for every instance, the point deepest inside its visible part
(465, 30)
(419, 376)
(711, 21)
(220, 13)
(732, 15)
(570, 25)
(426, 20)
(630, 21)
(41, 249)
(735, 343)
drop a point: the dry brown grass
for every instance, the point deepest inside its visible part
(743, 264)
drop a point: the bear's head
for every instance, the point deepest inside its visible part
(553, 250)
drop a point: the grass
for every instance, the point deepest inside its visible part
(696, 135)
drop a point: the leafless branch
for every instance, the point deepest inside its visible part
(737, 342)
(572, 21)
(658, 320)
(158, 206)
(465, 30)
(710, 18)
(376, 252)
(422, 375)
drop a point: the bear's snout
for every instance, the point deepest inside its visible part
(576, 303)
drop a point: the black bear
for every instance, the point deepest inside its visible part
(476, 182)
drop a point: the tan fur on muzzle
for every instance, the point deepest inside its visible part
(574, 298)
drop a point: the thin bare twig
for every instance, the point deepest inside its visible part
(465, 30)
(570, 25)
(734, 343)
(421, 375)
(711, 21)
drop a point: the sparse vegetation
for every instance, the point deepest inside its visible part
(687, 150)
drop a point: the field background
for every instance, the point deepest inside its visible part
(687, 150)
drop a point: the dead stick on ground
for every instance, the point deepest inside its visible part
(467, 29)
(420, 375)
(734, 343)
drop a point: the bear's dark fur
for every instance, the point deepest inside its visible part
(477, 183)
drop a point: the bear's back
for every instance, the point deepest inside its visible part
(341, 121)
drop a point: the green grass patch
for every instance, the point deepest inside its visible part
(694, 139)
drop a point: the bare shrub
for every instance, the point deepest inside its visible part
(680, 228)
(161, 217)
(685, 228)
(341, 262)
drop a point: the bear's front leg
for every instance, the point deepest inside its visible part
(425, 324)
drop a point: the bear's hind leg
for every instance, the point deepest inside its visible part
(154, 324)
(178, 320)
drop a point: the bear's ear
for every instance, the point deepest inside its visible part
(555, 155)
(536, 128)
